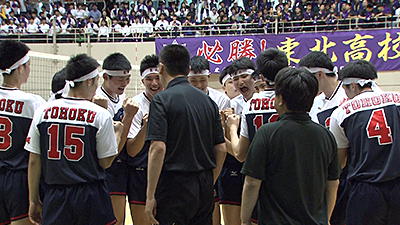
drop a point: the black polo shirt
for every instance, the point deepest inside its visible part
(294, 157)
(188, 121)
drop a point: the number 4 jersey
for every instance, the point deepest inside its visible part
(71, 135)
(16, 113)
(258, 110)
(369, 126)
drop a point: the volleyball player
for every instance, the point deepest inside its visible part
(116, 74)
(72, 141)
(16, 113)
(136, 146)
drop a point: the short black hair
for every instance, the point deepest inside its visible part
(176, 59)
(58, 82)
(318, 59)
(116, 61)
(255, 74)
(199, 63)
(148, 61)
(298, 88)
(241, 63)
(223, 73)
(359, 69)
(10, 52)
(270, 62)
(79, 65)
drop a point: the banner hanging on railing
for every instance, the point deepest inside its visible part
(380, 47)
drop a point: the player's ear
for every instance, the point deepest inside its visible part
(190, 68)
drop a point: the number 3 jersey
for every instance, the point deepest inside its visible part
(369, 126)
(258, 110)
(71, 135)
(16, 113)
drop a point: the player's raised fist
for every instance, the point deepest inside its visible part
(101, 101)
(130, 107)
(229, 111)
(145, 119)
(233, 121)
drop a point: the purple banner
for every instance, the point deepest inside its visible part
(380, 47)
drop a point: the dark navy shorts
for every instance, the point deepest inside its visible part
(185, 198)
(117, 177)
(86, 203)
(230, 184)
(137, 185)
(339, 212)
(374, 203)
(14, 195)
(216, 193)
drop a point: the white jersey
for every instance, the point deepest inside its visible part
(323, 107)
(137, 121)
(259, 110)
(219, 98)
(238, 103)
(114, 105)
(16, 112)
(70, 135)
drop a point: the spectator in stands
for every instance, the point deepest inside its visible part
(297, 19)
(126, 31)
(21, 18)
(332, 17)
(13, 17)
(204, 11)
(70, 20)
(22, 28)
(4, 28)
(43, 26)
(176, 26)
(32, 27)
(141, 8)
(121, 16)
(188, 24)
(65, 27)
(162, 25)
(60, 8)
(104, 32)
(151, 11)
(162, 9)
(367, 17)
(36, 20)
(95, 13)
(136, 28)
(57, 16)
(104, 17)
(132, 17)
(125, 8)
(45, 12)
(192, 11)
(115, 11)
(115, 26)
(12, 27)
(91, 27)
(147, 27)
(308, 17)
(183, 11)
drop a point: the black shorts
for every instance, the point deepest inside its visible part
(230, 184)
(14, 195)
(185, 198)
(137, 185)
(86, 203)
(117, 177)
(216, 193)
(374, 203)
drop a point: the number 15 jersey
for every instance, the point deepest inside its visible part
(369, 126)
(71, 135)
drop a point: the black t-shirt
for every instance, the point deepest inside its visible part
(294, 157)
(188, 121)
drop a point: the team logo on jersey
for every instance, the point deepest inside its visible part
(28, 140)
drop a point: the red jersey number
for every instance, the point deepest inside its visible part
(258, 120)
(5, 130)
(377, 127)
(73, 146)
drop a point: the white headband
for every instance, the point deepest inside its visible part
(241, 72)
(226, 78)
(316, 69)
(149, 71)
(116, 73)
(22, 61)
(360, 81)
(88, 76)
(201, 73)
(258, 80)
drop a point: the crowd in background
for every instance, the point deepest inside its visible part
(145, 18)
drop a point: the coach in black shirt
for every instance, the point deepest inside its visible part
(187, 146)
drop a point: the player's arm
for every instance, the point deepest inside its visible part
(156, 160)
(331, 192)
(220, 154)
(130, 110)
(34, 171)
(240, 145)
(342, 152)
(249, 198)
(135, 145)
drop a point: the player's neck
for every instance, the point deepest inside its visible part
(109, 92)
(80, 93)
(330, 88)
(10, 81)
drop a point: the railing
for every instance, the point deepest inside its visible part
(80, 35)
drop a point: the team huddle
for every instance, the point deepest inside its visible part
(281, 145)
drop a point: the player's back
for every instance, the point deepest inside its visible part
(371, 124)
(16, 112)
(219, 98)
(74, 134)
(259, 110)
